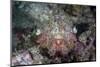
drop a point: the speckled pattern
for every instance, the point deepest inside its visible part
(51, 33)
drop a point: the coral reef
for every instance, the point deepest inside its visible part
(53, 33)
